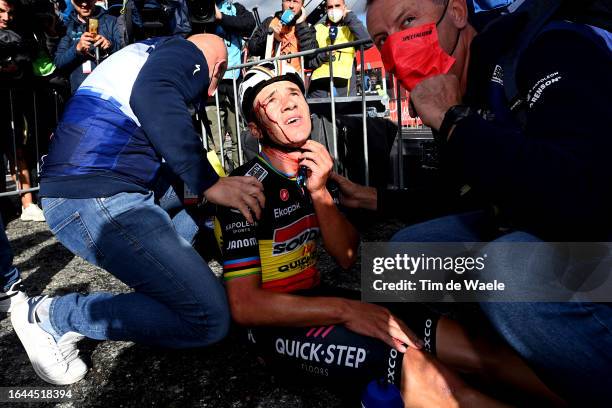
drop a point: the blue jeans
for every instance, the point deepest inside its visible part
(177, 301)
(169, 195)
(568, 344)
(8, 272)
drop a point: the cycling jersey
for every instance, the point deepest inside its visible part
(282, 245)
(282, 248)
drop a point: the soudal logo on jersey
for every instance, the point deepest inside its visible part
(281, 212)
(294, 235)
(336, 354)
(242, 243)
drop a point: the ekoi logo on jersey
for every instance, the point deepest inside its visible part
(293, 236)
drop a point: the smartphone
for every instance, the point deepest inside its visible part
(93, 26)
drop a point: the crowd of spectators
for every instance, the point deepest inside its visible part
(59, 43)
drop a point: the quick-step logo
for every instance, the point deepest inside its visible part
(338, 354)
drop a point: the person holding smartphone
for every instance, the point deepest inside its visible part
(77, 50)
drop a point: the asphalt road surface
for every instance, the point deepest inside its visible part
(124, 374)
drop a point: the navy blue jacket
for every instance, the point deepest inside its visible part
(128, 115)
(552, 176)
(69, 60)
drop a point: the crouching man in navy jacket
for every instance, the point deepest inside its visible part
(97, 184)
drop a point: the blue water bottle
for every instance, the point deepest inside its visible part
(381, 394)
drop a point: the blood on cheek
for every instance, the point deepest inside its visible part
(264, 107)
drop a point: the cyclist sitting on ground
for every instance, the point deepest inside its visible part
(272, 280)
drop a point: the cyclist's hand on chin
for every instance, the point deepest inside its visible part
(319, 163)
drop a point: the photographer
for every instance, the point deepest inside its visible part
(276, 36)
(340, 26)
(81, 50)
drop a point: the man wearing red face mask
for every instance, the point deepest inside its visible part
(547, 173)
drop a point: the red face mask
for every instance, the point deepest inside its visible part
(415, 54)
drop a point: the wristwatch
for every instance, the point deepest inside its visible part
(453, 116)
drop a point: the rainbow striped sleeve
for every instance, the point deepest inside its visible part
(237, 268)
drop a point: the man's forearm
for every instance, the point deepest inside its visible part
(266, 308)
(339, 236)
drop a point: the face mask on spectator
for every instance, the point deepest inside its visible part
(335, 15)
(414, 54)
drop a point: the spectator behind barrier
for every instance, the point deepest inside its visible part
(16, 56)
(233, 22)
(76, 53)
(15, 53)
(277, 38)
(340, 26)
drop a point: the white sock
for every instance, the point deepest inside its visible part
(43, 320)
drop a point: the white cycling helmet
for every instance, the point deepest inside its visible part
(261, 76)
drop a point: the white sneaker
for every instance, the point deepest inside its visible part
(32, 213)
(13, 296)
(55, 362)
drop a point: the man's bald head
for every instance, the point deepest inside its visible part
(215, 52)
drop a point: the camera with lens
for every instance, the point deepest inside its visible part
(201, 11)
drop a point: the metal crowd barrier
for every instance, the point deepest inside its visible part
(24, 116)
(361, 48)
(10, 94)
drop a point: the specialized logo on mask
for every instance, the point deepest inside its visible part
(417, 35)
(333, 354)
(197, 69)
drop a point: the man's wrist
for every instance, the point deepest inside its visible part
(369, 199)
(451, 118)
(320, 195)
